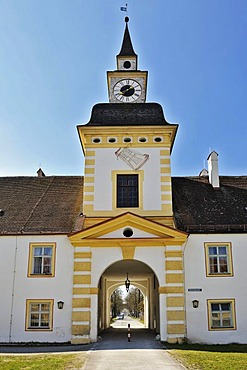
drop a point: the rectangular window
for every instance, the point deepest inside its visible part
(41, 259)
(221, 314)
(39, 314)
(127, 191)
(218, 259)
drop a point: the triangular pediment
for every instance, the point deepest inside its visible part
(143, 229)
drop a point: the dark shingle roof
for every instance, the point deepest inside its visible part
(53, 204)
(124, 114)
(198, 207)
(127, 47)
(40, 205)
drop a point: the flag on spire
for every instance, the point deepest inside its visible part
(124, 8)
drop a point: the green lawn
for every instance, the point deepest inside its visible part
(42, 362)
(216, 357)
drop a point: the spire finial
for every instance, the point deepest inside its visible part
(127, 48)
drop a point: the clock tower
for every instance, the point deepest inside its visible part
(128, 224)
(127, 84)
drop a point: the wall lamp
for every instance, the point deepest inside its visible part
(195, 303)
(127, 284)
(60, 305)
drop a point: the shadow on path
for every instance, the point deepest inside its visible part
(116, 338)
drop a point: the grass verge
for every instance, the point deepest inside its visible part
(43, 362)
(214, 357)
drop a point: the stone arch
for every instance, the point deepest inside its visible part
(142, 276)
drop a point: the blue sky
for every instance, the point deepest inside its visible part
(54, 55)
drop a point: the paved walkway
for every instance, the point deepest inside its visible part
(114, 352)
(143, 352)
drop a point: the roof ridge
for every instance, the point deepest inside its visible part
(37, 203)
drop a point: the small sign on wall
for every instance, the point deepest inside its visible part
(194, 289)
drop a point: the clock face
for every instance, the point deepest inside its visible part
(127, 90)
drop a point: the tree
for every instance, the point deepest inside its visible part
(116, 302)
(134, 302)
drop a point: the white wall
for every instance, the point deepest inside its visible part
(215, 288)
(57, 288)
(106, 162)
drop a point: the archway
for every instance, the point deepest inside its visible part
(140, 276)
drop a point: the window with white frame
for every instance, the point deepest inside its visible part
(39, 314)
(221, 314)
(41, 259)
(218, 259)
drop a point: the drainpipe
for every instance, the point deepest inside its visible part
(13, 293)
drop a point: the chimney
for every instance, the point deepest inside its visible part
(40, 173)
(203, 173)
(213, 170)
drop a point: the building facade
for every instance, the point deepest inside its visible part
(68, 242)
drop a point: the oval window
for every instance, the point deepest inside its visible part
(158, 139)
(128, 232)
(127, 139)
(142, 139)
(96, 140)
(112, 140)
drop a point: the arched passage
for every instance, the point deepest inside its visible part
(142, 277)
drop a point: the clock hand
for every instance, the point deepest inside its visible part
(123, 92)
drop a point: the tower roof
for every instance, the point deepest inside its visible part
(127, 47)
(126, 114)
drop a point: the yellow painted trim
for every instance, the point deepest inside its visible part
(166, 188)
(88, 209)
(88, 198)
(88, 180)
(128, 252)
(229, 253)
(175, 329)
(85, 290)
(82, 266)
(89, 162)
(80, 329)
(166, 211)
(80, 340)
(81, 316)
(30, 260)
(173, 254)
(112, 242)
(174, 301)
(171, 290)
(90, 153)
(166, 196)
(230, 300)
(165, 179)
(174, 278)
(81, 302)
(165, 152)
(164, 161)
(82, 279)
(175, 315)
(82, 254)
(165, 170)
(87, 133)
(174, 265)
(89, 188)
(179, 340)
(28, 303)
(89, 171)
(131, 220)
